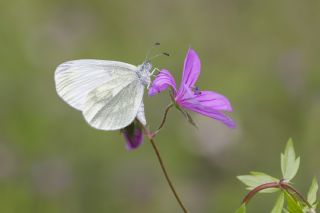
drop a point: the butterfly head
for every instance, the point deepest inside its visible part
(144, 73)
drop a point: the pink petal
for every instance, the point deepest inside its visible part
(191, 68)
(133, 136)
(163, 80)
(212, 100)
(184, 94)
(206, 111)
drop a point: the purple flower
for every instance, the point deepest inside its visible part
(188, 96)
(133, 136)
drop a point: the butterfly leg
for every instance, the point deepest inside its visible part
(154, 70)
(151, 74)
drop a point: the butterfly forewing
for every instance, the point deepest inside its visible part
(75, 79)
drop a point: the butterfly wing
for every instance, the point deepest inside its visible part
(75, 79)
(115, 104)
(140, 115)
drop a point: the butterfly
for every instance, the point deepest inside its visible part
(109, 93)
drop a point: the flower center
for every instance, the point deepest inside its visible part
(196, 90)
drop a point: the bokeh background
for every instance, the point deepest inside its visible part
(263, 55)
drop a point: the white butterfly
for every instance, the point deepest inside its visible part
(109, 93)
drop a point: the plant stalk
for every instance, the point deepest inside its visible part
(163, 119)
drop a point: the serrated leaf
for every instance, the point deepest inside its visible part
(289, 163)
(256, 179)
(279, 204)
(312, 194)
(242, 209)
(292, 204)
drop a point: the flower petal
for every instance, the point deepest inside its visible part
(206, 111)
(191, 68)
(133, 136)
(210, 99)
(184, 94)
(163, 80)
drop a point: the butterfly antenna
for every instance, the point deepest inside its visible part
(156, 56)
(150, 50)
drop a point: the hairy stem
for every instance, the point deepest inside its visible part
(150, 136)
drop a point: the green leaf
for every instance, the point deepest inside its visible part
(289, 162)
(312, 194)
(256, 179)
(293, 206)
(242, 209)
(279, 204)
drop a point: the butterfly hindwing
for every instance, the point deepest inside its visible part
(115, 104)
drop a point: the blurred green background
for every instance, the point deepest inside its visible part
(263, 55)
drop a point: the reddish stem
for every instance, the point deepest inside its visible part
(258, 189)
(289, 188)
(281, 185)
